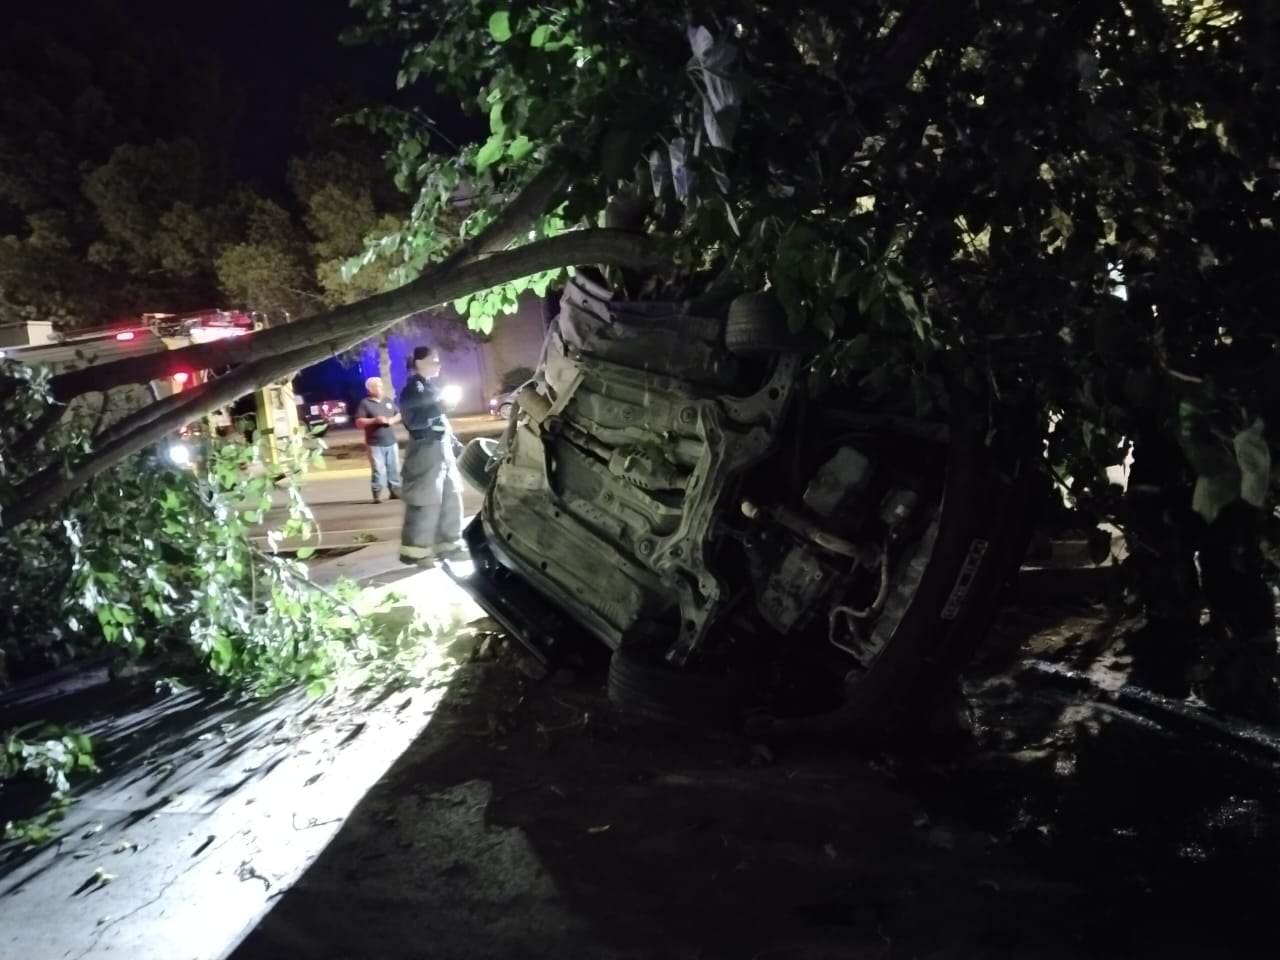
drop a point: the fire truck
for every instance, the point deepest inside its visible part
(273, 413)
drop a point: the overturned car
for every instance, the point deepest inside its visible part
(747, 547)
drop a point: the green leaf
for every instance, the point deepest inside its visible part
(306, 553)
(221, 654)
(540, 36)
(500, 26)
(490, 153)
(520, 148)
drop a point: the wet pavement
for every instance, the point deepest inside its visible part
(1086, 818)
(207, 807)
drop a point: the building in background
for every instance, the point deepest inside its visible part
(473, 364)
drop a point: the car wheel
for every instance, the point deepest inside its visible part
(475, 460)
(644, 692)
(757, 324)
(504, 411)
(947, 609)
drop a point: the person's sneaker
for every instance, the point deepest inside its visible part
(377, 497)
(395, 494)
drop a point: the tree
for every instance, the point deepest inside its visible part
(269, 268)
(947, 192)
(112, 144)
(971, 229)
(348, 204)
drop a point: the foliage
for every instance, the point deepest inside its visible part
(267, 267)
(113, 145)
(40, 829)
(527, 88)
(187, 576)
(52, 752)
(159, 564)
(53, 755)
(116, 202)
(1066, 205)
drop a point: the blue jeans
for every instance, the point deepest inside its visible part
(384, 462)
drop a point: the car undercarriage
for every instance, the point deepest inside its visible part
(669, 485)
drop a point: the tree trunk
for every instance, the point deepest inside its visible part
(329, 334)
(277, 353)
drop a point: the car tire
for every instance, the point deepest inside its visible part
(647, 693)
(757, 324)
(991, 492)
(475, 460)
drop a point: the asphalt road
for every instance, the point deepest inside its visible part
(340, 498)
(345, 443)
(345, 512)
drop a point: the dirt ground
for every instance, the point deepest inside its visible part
(1084, 820)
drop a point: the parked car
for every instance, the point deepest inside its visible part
(332, 412)
(748, 548)
(502, 404)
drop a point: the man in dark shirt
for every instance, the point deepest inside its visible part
(378, 417)
(432, 485)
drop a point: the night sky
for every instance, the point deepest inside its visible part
(276, 50)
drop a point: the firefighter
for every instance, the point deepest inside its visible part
(432, 486)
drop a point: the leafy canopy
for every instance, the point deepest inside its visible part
(1067, 204)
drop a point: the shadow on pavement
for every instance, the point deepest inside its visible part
(160, 743)
(522, 823)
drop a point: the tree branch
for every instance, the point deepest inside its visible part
(144, 417)
(516, 219)
(355, 322)
(276, 352)
(30, 438)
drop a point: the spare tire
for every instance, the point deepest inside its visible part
(475, 461)
(758, 324)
